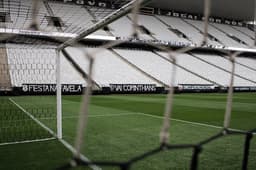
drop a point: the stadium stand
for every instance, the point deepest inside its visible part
(18, 15)
(68, 74)
(28, 65)
(150, 63)
(191, 32)
(98, 13)
(178, 29)
(121, 27)
(77, 19)
(234, 33)
(109, 69)
(26, 69)
(211, 71)
(245, 31)
(247, 62)
(32, 69)
(159, 30)
(186, 31)
(216, 33)
(220, 69)
(158, 67)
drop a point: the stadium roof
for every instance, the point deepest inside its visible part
(235, 9)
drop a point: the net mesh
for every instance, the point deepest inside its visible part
(28, 64)
(51, 16)
(172, 56)
(17, 124)
(25, 119)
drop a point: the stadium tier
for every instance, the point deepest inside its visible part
(242, 72)
(18, 15)
(109, 68)
(159, 30)
(73, 22)
(246, 31)
(157, 27)
(159, 67)
(219, 35)
(27, 65)
(235, 33)
(247, 62)
(192, 33)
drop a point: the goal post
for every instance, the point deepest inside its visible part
(59, 96)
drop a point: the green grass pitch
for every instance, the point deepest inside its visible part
(123, 126)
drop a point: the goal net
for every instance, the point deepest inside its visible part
(51, 47)
(32, 75)
(26, 114)
(182, 64)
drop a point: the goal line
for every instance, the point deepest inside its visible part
(27, 141)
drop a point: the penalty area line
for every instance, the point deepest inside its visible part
(157, 117)
(189, 122)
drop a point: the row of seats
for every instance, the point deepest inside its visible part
(38, 66)
(77, 18)
(159, 66)
(191, 32)
(184, 30)
(21, 14)
(232, 31)
(220, 36)
(246, 31)
(226, 65)
(123, 66)
(108, 68)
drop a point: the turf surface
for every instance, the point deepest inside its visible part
(123, 126)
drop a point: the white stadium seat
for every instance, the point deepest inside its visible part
(33, 67)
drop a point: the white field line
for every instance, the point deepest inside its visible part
(149, 115)
(27, 141)
(33, 118)
(100, 115)
(188, 122)
(65, 143)
(113, 115)
(76, 117)
(157, 117)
